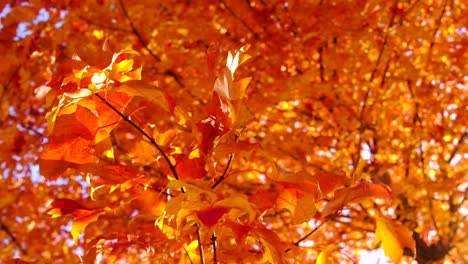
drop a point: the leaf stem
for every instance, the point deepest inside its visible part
(12, 237)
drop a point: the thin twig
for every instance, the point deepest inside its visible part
(306, 236)
(457, 146)
(366, 96)
(200, 248)
(240, 19)
(231, 157)
(423, 168)
(12, 77)
(12, 237)
(92, 22)
(322, 68)
(171, 73)
(161, 191)
(402, 18)
(137, 34)
(433, 40)
(213, 242)
(144, 133)
(188, 255)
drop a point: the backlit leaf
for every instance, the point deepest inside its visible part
(394, 238)
(364, 190)
(211, 215)
(82, 215)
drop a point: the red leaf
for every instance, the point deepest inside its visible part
(216, 124)
(171, 102)
(240, 231)
(60, 207)
(264, 199)
(329, 182)
(211, 215)
(82, 215)
(190, 168)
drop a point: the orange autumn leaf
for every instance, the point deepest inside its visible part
(82, 215)
(364, 190)
(190, 168)
(233, 131)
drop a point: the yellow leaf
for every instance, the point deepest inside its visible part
(394, 238)
(239, 202)
(124, 66)
(325, 254)
(145, 90)
(240, 86)
(80, 224)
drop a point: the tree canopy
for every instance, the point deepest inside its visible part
(322, 131)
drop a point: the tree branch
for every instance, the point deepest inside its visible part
(366, 96)
(137, 34)
(241, 20)
(144, 133)
(220, 179)
(321, 67)
(306, 236)
(457, 146)
(92, 22)
(13, 238)
(171, 73)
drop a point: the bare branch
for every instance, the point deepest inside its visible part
(137, 33)
(12, 237)
(241, 20)
(144, 133)
(92, 22)
(366, 96)
(306, 236)
(228, 165)
(457, 146)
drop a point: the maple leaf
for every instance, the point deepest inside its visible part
(340, 105)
